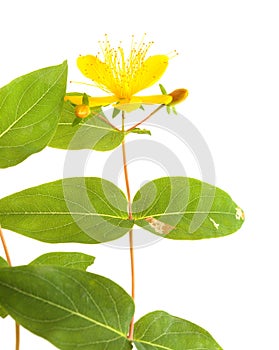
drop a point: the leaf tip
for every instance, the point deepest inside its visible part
(239, 215)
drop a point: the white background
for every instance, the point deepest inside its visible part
(228, 59)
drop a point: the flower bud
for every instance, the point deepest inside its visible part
(178, 96)
(82, 111)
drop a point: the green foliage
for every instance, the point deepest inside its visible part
(3, 262)
(185, 208)
(163, 90)
(82, 210)
(140, 131)
(159, 330)
(30, 108)
(170, 109)
(93, 133)
(54, 297)
(85, 99)
(70, 260)
(93, 210)
(3, 312)
(115, 112)
(70, 308)
(77, 121)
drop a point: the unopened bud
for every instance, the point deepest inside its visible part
(82, 111)
(178, 96)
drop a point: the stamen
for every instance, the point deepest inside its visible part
(121, 75)
(81, 82)
(172, 54)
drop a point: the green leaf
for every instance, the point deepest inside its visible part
(70, 308)
(70, 260)
(3, 263)
(3, 312)
(82, 210)
(77, 121)
(185, 208)
(160, 331)
(94, 133)
(163, 90)
(85, 99)
(98, 110)
(140, 131)
(30, 108)
(115, 112)
(171, 109)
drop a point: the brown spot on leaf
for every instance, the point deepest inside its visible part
(159, 226)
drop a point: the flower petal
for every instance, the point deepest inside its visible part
(127, 107)
(102, 101)
(151, 71)
(153, 99)
(76, 100)
(96, 70)
(93, 101)
(136, 101)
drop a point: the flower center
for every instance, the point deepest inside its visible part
(122, 74)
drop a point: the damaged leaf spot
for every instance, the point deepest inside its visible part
(239, 214)
(159, 226)
(214, 223)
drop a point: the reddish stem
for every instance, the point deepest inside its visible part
(5, 248)
(146, 118)
(107, 121)
(131, 238)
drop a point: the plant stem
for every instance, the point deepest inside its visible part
(5, 247)
(131, 328)
(106, 121)
(146, 118)
(131, 238)
(17, 331)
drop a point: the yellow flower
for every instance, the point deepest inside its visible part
(123, 76)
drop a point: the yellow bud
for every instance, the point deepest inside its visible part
(82, 111)
(178, 96)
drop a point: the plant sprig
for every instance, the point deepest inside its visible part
(54, 296)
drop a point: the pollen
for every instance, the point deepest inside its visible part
(123, 72)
